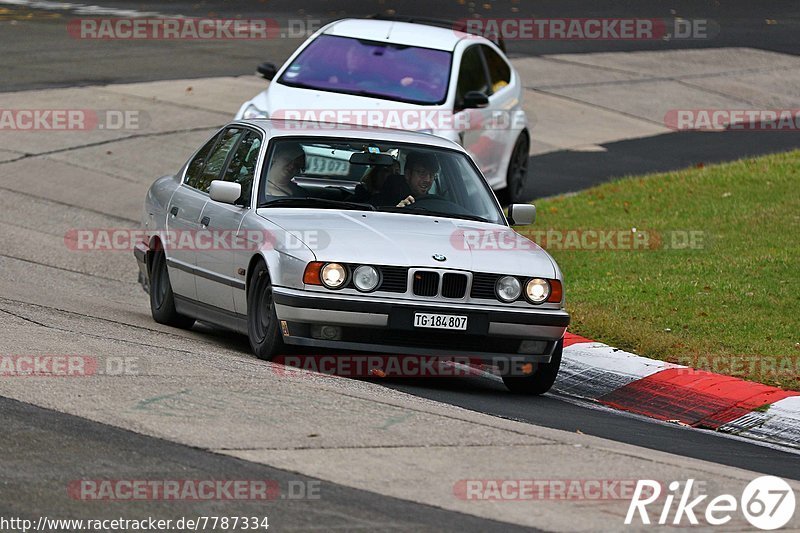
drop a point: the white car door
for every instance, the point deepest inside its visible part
(183, 222)
(217, 275)
(472, 76)
(506, 117)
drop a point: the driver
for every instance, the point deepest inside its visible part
(420, 170)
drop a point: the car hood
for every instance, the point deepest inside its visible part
(412, 240)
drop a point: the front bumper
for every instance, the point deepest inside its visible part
(385, 325)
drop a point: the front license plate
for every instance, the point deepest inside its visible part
(430, 320)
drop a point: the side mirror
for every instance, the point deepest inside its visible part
(225, 192)
(475, 100)
(521, 214)
(267, 70)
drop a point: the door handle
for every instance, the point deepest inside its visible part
(174, 210)
(205, 221)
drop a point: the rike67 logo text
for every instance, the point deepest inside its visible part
(767, 502)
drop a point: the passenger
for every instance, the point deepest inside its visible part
(376, 177)
(288, 161)
(373, 182)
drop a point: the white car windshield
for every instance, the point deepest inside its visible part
(360, 174)
(367, 68)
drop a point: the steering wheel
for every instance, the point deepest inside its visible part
(430, 198)
(434, 202)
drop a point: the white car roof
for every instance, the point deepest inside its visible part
(399, 33)
(295, 128)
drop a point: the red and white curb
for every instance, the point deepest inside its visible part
(676, 393)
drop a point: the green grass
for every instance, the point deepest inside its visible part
(731, 305)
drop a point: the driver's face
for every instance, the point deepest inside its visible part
(420, 179)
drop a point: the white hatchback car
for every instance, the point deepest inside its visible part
(412, 76)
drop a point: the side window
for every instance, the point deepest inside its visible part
(471, 75)
(242, 166)
(216, 159)
(499, 71)
(196, 166)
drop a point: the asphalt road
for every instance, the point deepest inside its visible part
(44, 449)
(40, 53)
(44, 55)
(45, 452)
(554, 411)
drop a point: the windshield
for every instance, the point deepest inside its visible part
(406, 178)
(368, 68)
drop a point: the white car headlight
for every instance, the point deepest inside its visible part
(366, 278)
(333, 275)
(508, 288)
(537, 290)
(252, 111)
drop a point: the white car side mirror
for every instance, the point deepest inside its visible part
(521, 214)
(226, 192)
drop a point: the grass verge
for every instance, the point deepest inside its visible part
(711, 276)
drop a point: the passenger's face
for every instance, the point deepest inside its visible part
(287, 168)
(380, 176)
(420, 180)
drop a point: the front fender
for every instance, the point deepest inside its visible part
(285, 255)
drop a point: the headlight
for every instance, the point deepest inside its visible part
(366, 278)
(508, 288)
(333, 275)
(252, 111)
(537, 290)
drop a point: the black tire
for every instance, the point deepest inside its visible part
(517, 173)
(162, 300)
(542, 378)
(263, 329)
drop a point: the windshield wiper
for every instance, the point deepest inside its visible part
(322, 203)
(354, 92)
(430, 213)
(297, 84)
